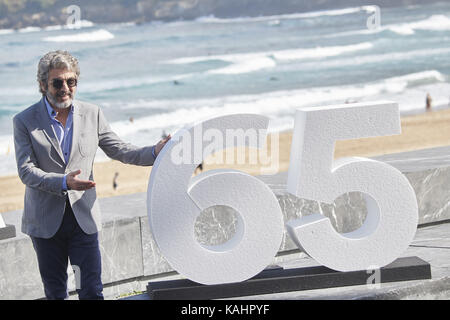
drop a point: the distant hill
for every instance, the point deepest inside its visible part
(40, 13)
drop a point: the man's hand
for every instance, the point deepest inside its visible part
(161, 144)
(73, 183)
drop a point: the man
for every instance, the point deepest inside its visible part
(55, 143)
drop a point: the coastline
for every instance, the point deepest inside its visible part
(419, 131)
(40, 13)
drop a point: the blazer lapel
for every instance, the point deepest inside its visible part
(48, 130)
(77, 121)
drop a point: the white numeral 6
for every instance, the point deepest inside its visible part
(175, 201)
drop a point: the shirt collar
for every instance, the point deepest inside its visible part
(51, 112)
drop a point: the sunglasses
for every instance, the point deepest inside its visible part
(58, 83)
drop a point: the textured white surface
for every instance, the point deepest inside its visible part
(175, 200)
(2, 223)
(392, 212)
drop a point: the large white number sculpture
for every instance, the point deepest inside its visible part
(392, 213)
(175, 201)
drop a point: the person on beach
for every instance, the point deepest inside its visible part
(55, 144)
(428, 102)
(199, 167)
(115, 185)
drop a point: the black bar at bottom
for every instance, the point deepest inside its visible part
(8, 232)
(286, 280)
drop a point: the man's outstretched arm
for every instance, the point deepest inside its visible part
(119, 150)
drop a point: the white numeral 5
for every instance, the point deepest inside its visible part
(392, 215)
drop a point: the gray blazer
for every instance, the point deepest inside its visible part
(41, 166)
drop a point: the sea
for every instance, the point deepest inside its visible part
(158, 77)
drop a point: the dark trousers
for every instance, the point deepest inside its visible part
(70, 242)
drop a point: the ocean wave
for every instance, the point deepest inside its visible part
(239, 62)
(18, 91)
(278, 105)
(289, 54)
(291, 16)
(375, 58)
(254, 61)
(246, 65)
(104, 85)
(417, 78)
(93, 36)
(392, 84)
(29, 29)
(6, 31)
(78, 25)
(273, 104)
(320, 52)
(432, 23)
(127, 83)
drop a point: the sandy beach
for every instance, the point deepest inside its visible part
(427, 130)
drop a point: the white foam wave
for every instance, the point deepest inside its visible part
(29, 29)
(93, 36)
(290, 54)
(6, 31)
(246, 65)
(292, 16)
(375, 58)
(253, 61)
(401, 29)
(78, 25)
(89, 87)
(418, 77)
(432, 23)
(320, 52)
(128, 82)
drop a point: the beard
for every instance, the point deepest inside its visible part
(60, 105)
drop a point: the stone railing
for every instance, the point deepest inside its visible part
(130, 255)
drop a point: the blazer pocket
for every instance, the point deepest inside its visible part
(87, 150)
(81, 150)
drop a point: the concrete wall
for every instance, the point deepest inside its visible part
(130, 256)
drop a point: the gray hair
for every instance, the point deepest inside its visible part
(55, 60)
